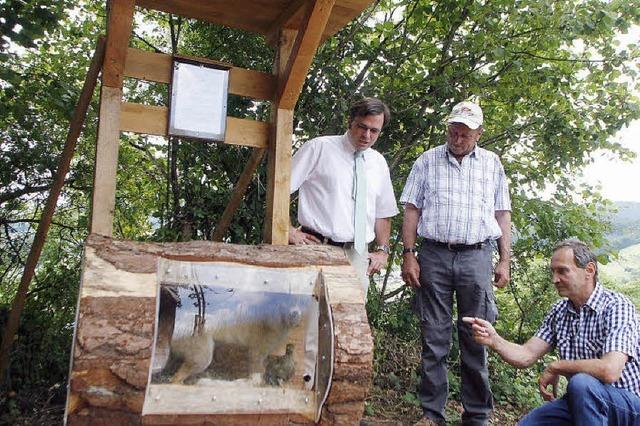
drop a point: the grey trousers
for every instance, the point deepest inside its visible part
(467, 274)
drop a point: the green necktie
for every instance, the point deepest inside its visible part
(360, 210)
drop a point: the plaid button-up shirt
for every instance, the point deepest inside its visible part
(458, 200)
(606, 323)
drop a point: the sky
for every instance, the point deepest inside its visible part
(620, 180)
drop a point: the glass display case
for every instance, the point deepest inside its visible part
(239, 339)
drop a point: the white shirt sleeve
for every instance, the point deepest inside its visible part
(303, 163)
(386, 201)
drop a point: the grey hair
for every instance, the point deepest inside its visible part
(582, 254)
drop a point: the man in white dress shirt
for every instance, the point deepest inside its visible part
(323, 172)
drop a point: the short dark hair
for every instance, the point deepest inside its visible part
(582, 254)
(369, 106)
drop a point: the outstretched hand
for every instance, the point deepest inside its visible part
(482, 331)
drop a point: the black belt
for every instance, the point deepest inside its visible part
(322, 238)
(455, 247)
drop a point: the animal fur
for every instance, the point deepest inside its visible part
(260, 328)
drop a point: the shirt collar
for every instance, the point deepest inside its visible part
(348, 146)
(595, 301)
(472, 154)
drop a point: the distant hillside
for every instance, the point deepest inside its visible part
(626, 225)
(626, 269)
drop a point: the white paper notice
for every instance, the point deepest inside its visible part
(199, 101)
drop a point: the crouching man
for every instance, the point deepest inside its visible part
(595, 331)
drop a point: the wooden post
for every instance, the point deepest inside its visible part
(75, 127)
(104, 184)
(238, 194)
(302, 53)
(276, 227)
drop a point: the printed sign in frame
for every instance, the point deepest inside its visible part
(198, 100)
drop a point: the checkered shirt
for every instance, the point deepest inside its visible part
(608, 322)
(458, 200)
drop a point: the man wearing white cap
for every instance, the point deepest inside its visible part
(457, 199)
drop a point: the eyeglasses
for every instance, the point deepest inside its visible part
(364, 128)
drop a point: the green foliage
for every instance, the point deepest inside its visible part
(23, 22)
(549, 76)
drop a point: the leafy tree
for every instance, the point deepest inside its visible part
(547, 74)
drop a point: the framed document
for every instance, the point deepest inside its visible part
(198, 104)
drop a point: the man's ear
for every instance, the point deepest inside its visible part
(590, 268)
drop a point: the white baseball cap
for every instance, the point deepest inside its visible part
(466, 113)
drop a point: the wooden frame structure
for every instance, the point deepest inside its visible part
(115, 319)
(295, 27)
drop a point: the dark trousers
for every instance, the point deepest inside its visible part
(588, 402)
(467, 274)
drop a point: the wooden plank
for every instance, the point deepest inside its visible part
(104, 180)
(145, 119)
(253, 16)
(152, 120)
(118, 34)
(233, 398)
(238, 194)
(156, 67)
(304, 49)
(141, 257)
(259, 16)
(276, 224)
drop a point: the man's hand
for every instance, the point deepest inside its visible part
(377, 260)
(297, 237)
(410, 270)
(547, 378)
(482, 331)
(501, 273)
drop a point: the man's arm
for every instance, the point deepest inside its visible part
(502, 270)
(520, 356)
(606, 369)
(410, 266)
(379, 258)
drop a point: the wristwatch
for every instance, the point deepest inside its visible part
(382, 247)
(409, 250)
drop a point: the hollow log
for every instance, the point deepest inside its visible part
(115, 323)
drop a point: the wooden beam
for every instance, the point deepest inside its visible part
(118, 34)
(238, 194)
(285, 16)
(156, 67)
(104, 178)
(252, 16)
(303, 51)
(276, 226)
(152, 120)
(64, 163)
